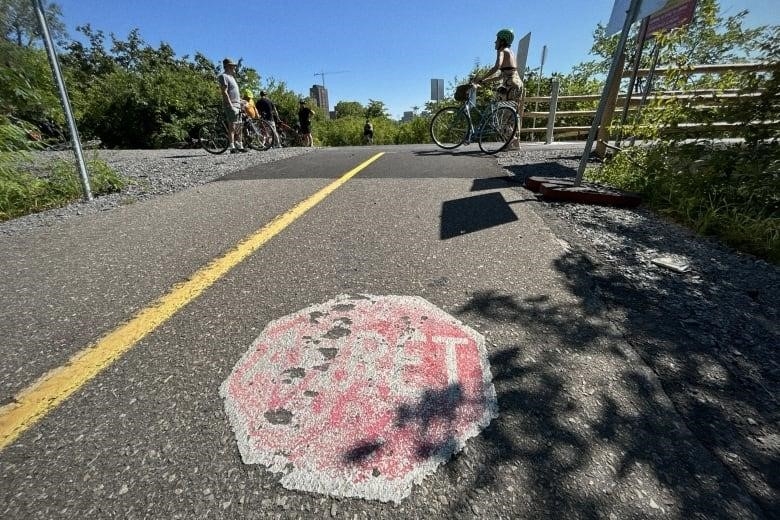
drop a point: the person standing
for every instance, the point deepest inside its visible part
(248, 104)
(231, 104)
(304, 119)
(368, 132)
(269, 113)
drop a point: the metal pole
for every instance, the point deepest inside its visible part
(538, 88)
(553, 108)
(605, 95)
(632, 81)
(648, 82)
(55, 67)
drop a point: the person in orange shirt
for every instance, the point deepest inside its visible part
(248, 104)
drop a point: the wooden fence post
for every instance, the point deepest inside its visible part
(553, 109)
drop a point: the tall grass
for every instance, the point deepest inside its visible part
(27, 188)
(732, 192)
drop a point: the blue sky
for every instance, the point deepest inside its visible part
(382, 50)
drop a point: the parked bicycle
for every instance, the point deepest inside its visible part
(255, 133)
(288, 135)
(454, 126)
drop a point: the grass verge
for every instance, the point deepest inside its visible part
(27, 188)
(730, 192)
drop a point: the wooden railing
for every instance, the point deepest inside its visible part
(704, 99)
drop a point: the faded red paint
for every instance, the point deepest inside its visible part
(369, 390)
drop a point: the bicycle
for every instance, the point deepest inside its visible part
(288, 135)
(255, 133)
(454, 126)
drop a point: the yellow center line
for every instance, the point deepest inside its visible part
(34, 402)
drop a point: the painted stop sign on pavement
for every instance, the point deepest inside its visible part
(360, 396)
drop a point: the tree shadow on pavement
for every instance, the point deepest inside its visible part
(720, 369)
(592, 430)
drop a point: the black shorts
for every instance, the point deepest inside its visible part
(305, 129)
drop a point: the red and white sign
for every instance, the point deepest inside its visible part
(360, 396)
(677, 15)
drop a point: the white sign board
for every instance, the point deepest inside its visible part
(646, 8)
(522, 53)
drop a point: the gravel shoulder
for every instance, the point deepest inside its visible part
(710, 335)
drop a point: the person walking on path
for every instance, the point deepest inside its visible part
(268, 112)
(511, 88)
(231, 104)
(368, 132)
(304, 120)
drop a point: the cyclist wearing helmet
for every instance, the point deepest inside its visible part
(248, 104)
(511, 88)
(511, 85)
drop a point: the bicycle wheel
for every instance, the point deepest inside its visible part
(213, 137)
(497, 130)
(266, 133)
(286, 137)
(449, 127)
(258, 135)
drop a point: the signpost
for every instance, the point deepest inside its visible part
(677, 15)
(645, 8)
(523, 44)
(360, 396)
(64, 100)
(628, 20)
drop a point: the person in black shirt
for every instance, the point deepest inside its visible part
(304, 119)
(268, 112)
(368, 132)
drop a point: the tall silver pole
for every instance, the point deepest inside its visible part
(632, 81)
(55, 68)
(632, 11)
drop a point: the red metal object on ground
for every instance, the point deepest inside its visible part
(360, 396)
(563, 190)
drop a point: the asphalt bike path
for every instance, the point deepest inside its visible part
(584, 430)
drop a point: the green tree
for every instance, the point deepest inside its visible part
(349, 109)
(710, 38)
(19, 24)
(27, 89)
(376, 110)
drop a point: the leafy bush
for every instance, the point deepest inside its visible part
(732, 192)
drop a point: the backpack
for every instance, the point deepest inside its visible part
(462, 92)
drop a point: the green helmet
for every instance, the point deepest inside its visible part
(247, 94)
(507, 35)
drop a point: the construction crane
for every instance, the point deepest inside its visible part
(322, 74)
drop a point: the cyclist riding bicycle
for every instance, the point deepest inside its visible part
(511, 88)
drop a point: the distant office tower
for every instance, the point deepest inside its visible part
(320, 96)
(408, 116)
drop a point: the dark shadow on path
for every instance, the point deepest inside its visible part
(472, 214)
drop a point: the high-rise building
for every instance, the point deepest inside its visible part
(320, 95)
